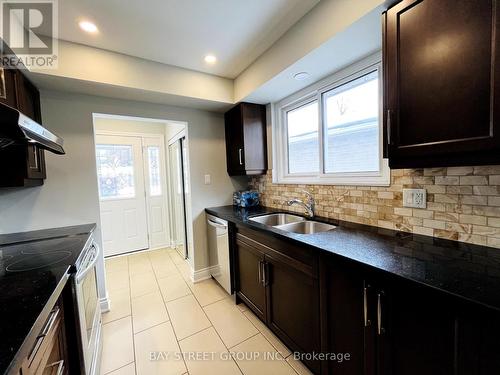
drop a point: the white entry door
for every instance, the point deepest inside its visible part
(121, 192)
(156, 190)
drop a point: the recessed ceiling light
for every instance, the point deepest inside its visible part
(210, 59)
(300, 76)
(88, 26)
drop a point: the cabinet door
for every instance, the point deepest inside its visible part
(293, 305)
(254, 129)
(235, 148)
(477, 341)
(442, 77)
(8, 87)
(347, 301)
(35, 162)
(249, 277)
(28, 97)
(415, 330)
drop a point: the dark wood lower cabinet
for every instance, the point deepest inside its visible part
(293, 306)
(392, 326)
(249, 285)
(414, 328)
(283, 293)
(368, 322)
(344, 307)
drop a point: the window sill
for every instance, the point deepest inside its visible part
(383, 179)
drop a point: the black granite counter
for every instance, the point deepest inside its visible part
(469, 271)
(34, 268)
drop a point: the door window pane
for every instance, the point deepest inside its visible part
(115, 171)
(154, 170)
(303, 145)
(352, 126)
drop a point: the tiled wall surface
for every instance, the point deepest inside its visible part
(463, 203)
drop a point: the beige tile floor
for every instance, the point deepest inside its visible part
(158, 313)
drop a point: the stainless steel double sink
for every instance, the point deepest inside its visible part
(292, 223)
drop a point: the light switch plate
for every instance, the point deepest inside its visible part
(208, 179)
(416, 198)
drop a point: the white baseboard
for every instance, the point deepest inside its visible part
(105, 304)
(202, 274)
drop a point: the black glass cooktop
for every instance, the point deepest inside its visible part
(33, 266)
(39, 254)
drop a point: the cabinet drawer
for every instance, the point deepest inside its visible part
(47, 348)
(303, 257)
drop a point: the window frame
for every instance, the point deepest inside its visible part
(313, 93)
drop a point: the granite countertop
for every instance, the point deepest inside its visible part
(27, 290)
(469, 271)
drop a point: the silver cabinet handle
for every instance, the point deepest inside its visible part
(35, 157)
(260, 272)
(60, 367)
(46, 330)
(389, 140)
(265, 273)
(50, 322)
(380, 327)
(366, 321)
(240, 155)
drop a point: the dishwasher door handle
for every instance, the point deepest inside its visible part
(216, 225)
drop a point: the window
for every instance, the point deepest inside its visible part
(115, 171)
(154, 171)
(303, 135)
(331, 132)
(351, 123)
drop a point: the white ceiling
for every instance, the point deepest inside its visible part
(359, 40)
(182, 32)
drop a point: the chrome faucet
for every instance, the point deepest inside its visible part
(308, 206)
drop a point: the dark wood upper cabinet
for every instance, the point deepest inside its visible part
(21, 165)
(246, 147)
(7, 87)
(441, 83)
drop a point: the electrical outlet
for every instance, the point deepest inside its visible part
(208, 179)
(416, 198)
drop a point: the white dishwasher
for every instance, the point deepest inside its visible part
(218, 251)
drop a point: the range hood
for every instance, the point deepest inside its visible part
(16, 128)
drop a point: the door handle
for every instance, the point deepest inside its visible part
(367, 322)
(260, 272)
(380, 327)
(240, 151)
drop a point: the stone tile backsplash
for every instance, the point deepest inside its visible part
(463, 203)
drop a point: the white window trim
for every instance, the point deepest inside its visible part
(311, 93)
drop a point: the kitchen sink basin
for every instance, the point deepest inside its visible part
(277, 219)
(306, 227)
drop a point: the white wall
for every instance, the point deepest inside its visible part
(70, 196)
(88, 64)
(129, 125)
